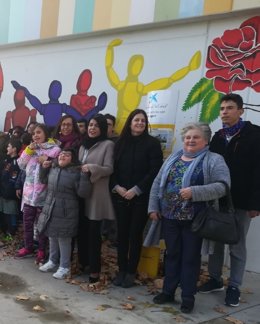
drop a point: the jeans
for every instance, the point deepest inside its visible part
(183, 257)
(237, 254)
(60, 251)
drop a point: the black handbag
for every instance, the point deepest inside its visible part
(219, 226)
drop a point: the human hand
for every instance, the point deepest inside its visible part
(33, 146)
(155, 216)
(129, 194)
(18, 193)
(46, 164)
(42, 158)
(121, 191)
(253, 213)
(186, 193)
(85, 168)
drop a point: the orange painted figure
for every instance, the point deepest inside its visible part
(21, 115)
(81, 101)
(130, 90)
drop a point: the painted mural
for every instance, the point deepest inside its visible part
(130, 90)
(233, 64)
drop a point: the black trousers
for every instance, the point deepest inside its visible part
(131, 220)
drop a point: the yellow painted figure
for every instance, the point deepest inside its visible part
(131, 90)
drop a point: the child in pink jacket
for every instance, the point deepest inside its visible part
(34, 191)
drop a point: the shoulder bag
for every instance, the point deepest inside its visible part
(220, 226)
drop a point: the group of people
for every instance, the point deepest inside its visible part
(84, 175)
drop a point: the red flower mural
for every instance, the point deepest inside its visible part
(233, 59)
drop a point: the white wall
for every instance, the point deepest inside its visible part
(165, 49)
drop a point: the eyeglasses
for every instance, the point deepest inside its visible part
(66, 125)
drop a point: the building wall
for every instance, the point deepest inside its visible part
(39, 19)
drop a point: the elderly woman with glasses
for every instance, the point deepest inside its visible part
(184, 183)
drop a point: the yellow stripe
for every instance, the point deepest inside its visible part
(171, 126)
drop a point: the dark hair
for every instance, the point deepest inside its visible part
(111, 117)
(19, 130)
(44, 128)
(126, 132)
(26, 138)
(31, 123)
(82, 120)
(102, 124)
(74, 155)
(234, 97)
(15, 142)
(75, 128)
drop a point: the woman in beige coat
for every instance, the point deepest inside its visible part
(96, 156)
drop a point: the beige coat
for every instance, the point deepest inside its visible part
(100, 163)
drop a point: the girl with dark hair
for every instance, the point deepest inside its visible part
(96, 156)
(59, 217)
(34, 192)
(67, 133)
(138, 157)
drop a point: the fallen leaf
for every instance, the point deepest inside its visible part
(22, 297)
(43, 297)
(128, 306)
(103, 307)
(246, 291)
(220, 310)
(233, 320)
(158, 283)
(179, 319)
(38, 308)
(130, 298)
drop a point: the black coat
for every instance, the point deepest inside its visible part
(242, 155)
(59, 217)
(138, 164)
(9, 173)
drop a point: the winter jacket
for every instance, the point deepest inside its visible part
(59, 217)
(34, 192)
(9, 173)
(242, 155)
(100, 163)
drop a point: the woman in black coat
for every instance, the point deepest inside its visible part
(138, 158)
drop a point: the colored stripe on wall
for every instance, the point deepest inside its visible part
(83, 18)
(242, 4)
(16, 22)
(191, 8)
(66, 17)
(32, 21)
(143, 16)
(211, 7)
(4, 20)
(102, 14)
(50, 15)
(166, 9)
(120, 13)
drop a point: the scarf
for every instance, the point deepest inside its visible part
(227, 131)
(69, 140)
(198, 156)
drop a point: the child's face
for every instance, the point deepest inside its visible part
(11, 151)
(38, 136)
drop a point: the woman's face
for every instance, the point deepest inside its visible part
(138, 124)
(93, 129)
(64, 159)
(38, 135)
(194, 141)
(66, 126)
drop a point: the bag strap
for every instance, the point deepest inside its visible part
(230, 204)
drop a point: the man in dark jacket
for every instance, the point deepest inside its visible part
(239, 143)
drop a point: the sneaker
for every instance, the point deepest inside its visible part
(23, 253)
(40, 257)
(211, 286)
(61, 273)
(49, 266)
(163, 298)
(232, 296)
